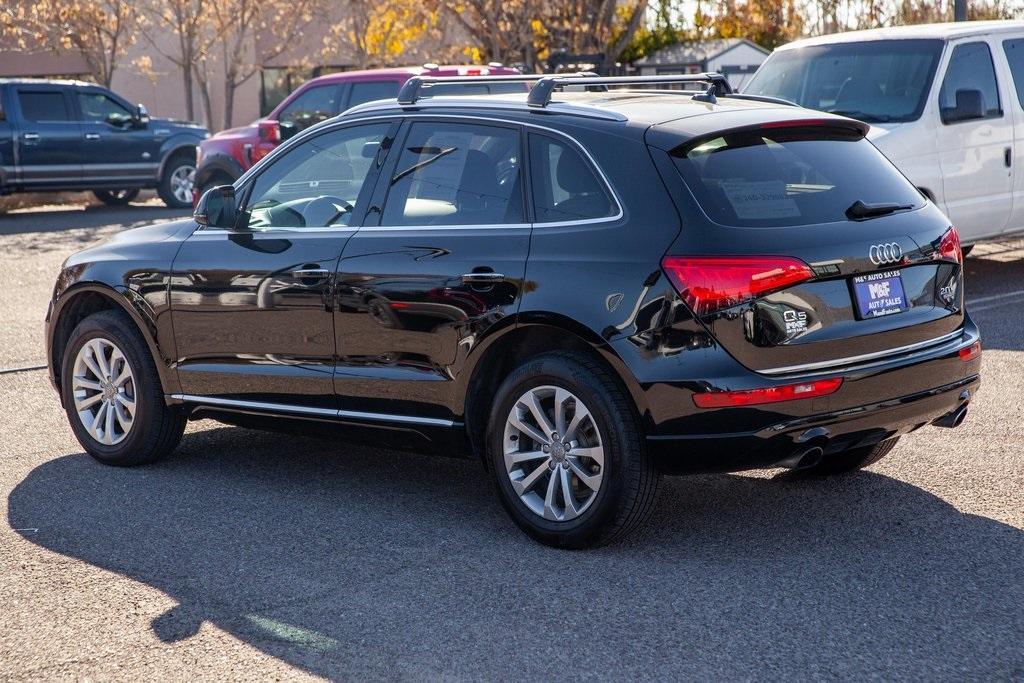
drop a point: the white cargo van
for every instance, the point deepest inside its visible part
(945, 103)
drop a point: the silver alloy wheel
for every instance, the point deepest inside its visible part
(554, 456)
(182, 180)
(104, 391)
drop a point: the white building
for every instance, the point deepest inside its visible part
(736, 58)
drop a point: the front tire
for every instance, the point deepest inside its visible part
(566, 450)
(176, 183)
(112, 393)
(116, 197)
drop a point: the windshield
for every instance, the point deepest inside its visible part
(791, 176)
(876, 81)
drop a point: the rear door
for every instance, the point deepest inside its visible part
(116, 149)
(439, 262)
(8, 173)
(975, 148)
(50, 139)
(816, 251)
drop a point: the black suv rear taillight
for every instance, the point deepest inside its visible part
(711, 283)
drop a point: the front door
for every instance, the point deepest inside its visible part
(975, 153)
(116, 149)
(50, 139)
(437, 265)
(252, 308)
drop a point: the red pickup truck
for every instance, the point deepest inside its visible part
(228, 154)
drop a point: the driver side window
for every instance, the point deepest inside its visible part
(96, 106)
(319, 183)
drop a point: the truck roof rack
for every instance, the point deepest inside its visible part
(540, 94)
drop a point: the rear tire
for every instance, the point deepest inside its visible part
(175, 187)
(112, 393)
(588, 486)
(849, 460)
(116, 197)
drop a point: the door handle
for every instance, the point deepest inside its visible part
(482, 278)
(311, 274)
(30, 136)
(1008, 157)
(92, 136)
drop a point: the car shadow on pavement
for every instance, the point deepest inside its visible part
(357, 562)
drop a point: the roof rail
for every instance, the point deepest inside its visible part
(411, 89)
(540, 94)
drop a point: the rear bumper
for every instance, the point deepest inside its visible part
(881, 413)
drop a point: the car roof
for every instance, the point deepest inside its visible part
(945, 31)
(675, 114)
(48, 81)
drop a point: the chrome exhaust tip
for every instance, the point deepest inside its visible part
(953, 419)
(809, 457)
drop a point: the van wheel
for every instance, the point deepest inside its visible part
(566, 451)
(115, 197)
(849, 460)
(175, 187)
(112, 395)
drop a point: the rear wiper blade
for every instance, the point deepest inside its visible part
(859, 210)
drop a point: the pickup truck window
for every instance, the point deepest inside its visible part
(48, 105)
(312, 106)
(96, 106)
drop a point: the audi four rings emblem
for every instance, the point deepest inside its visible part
(890, 252)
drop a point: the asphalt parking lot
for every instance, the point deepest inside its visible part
(253, 555)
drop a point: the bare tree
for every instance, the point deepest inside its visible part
(378, 33)
(184, 19)
(100, 30)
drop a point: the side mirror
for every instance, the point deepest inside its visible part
(287, 129)
(141, 116)
(217, 208)
(970, 104)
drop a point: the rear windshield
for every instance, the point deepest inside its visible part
(772, 178)
(875, 81)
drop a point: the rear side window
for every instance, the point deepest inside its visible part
(469, 89)
(565, 187)
(312, 106)
(791, 176)
(456, 174)
(43, 105)
(368, 91)
(970, 68)
(1014, 50)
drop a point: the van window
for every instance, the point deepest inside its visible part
(456, 174)
(48, 105)
(970, 68)
(875, 81)
(789, 176)
(565, 187)
(1014, 50)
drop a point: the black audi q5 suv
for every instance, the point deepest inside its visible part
(586, 286)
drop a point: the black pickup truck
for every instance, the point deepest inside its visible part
(68, 135)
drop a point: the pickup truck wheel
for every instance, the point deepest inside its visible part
(176, 183)
(115, 197)
(112, 395)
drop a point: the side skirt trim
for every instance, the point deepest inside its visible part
(287, 409)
